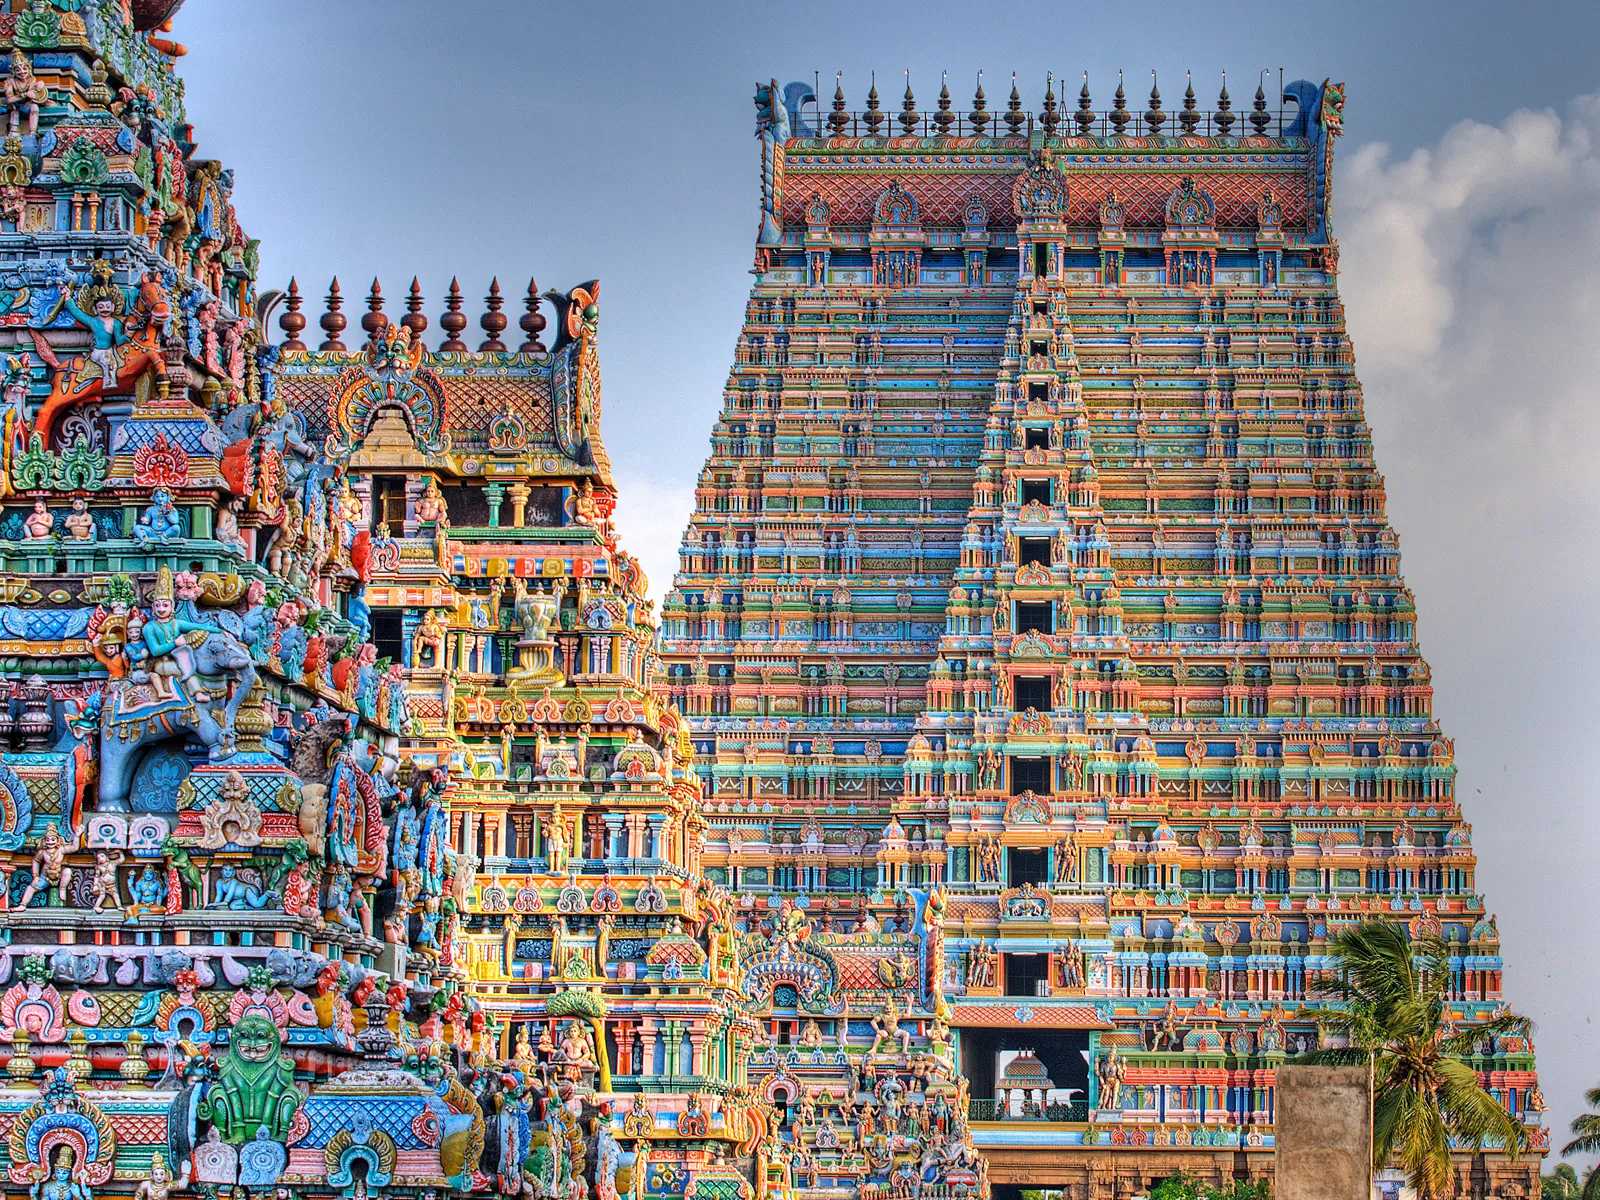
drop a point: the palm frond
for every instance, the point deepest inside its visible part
(1464, 1042)
(1334, 1056)
(1587, 1127)
(1472, 1113)
(1591, 1182)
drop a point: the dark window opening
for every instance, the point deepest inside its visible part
(1027, 866)
(1026, 974)
(387, 634)
(1035, 617)
(1033, 550)
(1041, 258)
(1036, 439)
(1030, 775)
(1064, 1053)
(466, 506)
(388, 503)
(1036, 490)
(1039, 391)
(545, 508)
(1031, 691)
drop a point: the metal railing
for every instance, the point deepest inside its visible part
(1000, 1110)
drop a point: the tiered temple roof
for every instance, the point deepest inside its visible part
(1040, 601)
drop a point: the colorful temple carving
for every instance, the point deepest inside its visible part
(1043, 642)
(1038, 693)
(346, 846)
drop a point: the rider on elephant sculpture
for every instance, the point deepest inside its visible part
(255, 1085)
(165, 643)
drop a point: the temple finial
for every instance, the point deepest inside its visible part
(493, 322)
(838, 119)
(333, 321)
(292, 322)
(1189, 118)
(1085, 114)
(908, 108)
(1260, 118)
(1014, 118)
(453, 321)
(943, 119)
(978, 118)
(1225, 117)
(414, 320)
(373, 320)
(1153, 116)
(1119, 108)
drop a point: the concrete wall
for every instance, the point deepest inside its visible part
(1323, 1132)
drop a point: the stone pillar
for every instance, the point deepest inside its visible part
(519, 503)
(1323, 1133)
(494, 493)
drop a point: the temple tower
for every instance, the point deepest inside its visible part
(1171, 729)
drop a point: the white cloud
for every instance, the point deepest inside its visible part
(1471, 272)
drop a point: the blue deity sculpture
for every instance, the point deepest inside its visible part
(234, 892)
(159, 522)
(149, 891)
(341, 902)
(59, 1184)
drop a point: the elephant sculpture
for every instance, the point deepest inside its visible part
(128, 727)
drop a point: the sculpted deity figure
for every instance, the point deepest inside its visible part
(39, 525)
(235, 892)
(149, 893)
(430, 506)
(103, 884)
(1110, 1071)
(159, 522)
(227, 530)
(14, 408)
(59, 1183)
(255, 1084)
(23, 93)
(103, 319)
(163, 641)
(989, 861)
(159, 1186)
(1066, 861)
(80, 525)
(886, 1029)
(50, 868)
(429, 635)
(577, 1050)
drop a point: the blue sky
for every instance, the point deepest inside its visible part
(478, 138)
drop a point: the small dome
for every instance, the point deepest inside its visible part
(1026, 1071)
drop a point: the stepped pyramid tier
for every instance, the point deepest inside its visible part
(1043, 644)
(293, 809)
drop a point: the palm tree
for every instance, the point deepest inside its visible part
(1587, 1127)
(1424, 1095)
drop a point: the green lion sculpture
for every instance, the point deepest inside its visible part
(254, 1086)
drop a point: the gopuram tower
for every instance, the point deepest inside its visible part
(348, 845)
(1044, 646)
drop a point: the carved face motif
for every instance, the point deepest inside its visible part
(255, 1039)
